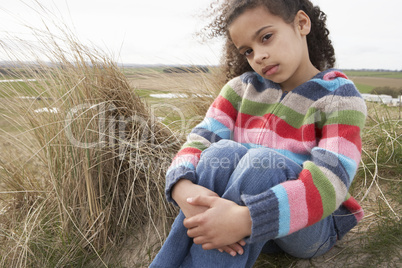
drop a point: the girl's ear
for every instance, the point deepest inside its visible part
(303, 22)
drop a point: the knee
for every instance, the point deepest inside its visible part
(264, 165)
(264, 158)
(224, 150)
(269, 159)
(217, 164)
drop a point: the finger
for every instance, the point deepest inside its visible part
(228, 250)
(201, 240)
(201, 200)
(194, 232)
(237, 248)
(192, 222)
(242, 243)
(208, 246)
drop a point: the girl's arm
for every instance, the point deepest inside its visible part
(185, 189)
(218, 124)
(181, 181)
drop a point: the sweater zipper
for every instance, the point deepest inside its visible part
(283, 96)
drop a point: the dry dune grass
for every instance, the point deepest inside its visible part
(90, 168)
(83, 183)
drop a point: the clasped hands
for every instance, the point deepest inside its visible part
(213, 222)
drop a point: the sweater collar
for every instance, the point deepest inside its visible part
(320, 76)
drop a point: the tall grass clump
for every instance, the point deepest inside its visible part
(85, 161)
(379, 184)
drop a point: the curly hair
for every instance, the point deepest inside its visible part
(321, 51)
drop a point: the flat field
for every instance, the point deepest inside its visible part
(155, 79)
(366, 81)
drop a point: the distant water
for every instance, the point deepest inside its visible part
(17, 80)
(174, 96)
(168, 96)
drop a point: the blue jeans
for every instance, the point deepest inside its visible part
(230, 169)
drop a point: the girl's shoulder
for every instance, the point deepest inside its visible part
(335, 81)
(332, 90)
(328, 82)
(331, 82)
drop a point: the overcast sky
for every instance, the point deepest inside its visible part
(365, 33)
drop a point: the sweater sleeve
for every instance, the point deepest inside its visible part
(218, 124)
(322, 186)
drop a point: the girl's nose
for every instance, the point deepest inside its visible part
(261, 55)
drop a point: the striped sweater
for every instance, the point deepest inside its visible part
(318, 125)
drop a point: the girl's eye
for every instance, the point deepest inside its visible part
(248, 52)
(266, 37)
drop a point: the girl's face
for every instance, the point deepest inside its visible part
(276, 50)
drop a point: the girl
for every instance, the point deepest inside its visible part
(269, 168)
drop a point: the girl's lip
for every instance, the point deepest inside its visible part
(270, 70)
